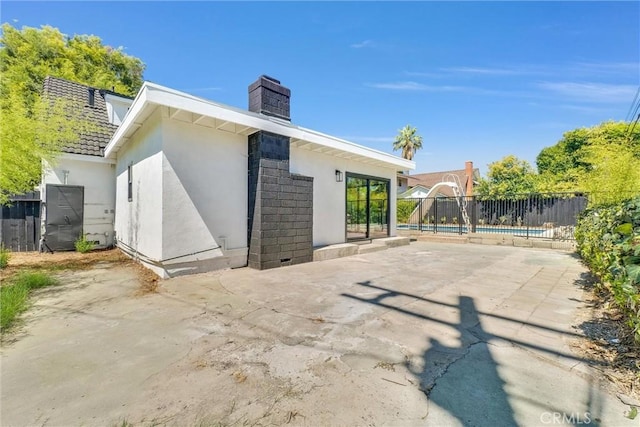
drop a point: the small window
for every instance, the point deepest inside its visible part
(130, 182)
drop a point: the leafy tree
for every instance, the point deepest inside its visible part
(34, 128)
(507, 178)
(408, 141)
(30, 135)
(563, 166)
(549, 183)
(29, 54)
(613, 174)
(601, 160)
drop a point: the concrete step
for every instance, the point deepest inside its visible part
(334, 251)
(371, 247)
(393, 242)
(444, 238)
(364, 247)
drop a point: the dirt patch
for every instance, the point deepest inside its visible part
(148, 279)
(60, 261)
(609, 342)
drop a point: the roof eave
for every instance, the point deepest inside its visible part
(118, 139)
(152, 94)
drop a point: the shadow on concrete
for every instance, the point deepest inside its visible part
(472, 391)
(483, 391)
(479, 332)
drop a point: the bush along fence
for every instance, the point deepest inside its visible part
(608, 240)
(551, 216)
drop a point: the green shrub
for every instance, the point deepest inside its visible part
(608, 239)
(5, 255)
(83, 245)
(14, 296)
(404, 210)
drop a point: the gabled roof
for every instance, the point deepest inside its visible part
(203, 112)
(414, 192)
(90, 143)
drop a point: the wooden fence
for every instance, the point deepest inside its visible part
(20, 223)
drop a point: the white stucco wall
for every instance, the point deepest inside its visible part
(97, 176)
(329, 205)
(189, 209)
(138, 223)
(189, 196)
(117, 108)
(204, 191)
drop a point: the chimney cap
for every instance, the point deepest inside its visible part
(264, 76)
(268, 96)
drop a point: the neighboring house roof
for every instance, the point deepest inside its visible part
(419, 191)
(90, 143)
(430, 179)
(203, 112)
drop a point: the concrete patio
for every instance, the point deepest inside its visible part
(427, 334)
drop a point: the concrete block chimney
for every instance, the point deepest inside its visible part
(280, 214)
(268, 96)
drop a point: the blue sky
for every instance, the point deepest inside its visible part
(479, 80)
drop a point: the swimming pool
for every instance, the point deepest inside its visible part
(515, 231)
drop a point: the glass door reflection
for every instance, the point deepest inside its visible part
(367, 207)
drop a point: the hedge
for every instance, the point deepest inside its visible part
(608, 240)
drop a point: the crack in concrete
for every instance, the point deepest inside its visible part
(427, 391)
(316, 319)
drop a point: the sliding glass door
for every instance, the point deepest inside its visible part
(367, 207)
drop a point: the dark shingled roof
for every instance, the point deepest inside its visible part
(90, 143)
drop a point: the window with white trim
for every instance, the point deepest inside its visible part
(130, 181)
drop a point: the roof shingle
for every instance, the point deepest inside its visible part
(89, 143)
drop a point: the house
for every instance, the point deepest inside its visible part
(418, 185)
(78, 191)
(188, 185)
(419, 191)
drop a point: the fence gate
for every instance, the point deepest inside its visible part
(20, 223)
(64, 213)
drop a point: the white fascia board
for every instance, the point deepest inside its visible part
(155, 94)
(198, 106)
(86, 158)
(118, 138)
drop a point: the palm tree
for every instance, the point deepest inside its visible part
(408, 141)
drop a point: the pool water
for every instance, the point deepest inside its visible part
(457, 229)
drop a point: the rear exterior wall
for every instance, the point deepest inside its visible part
(329, 196)
(204, 212)
(97, 176)
(138, 223)
(189, 207)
